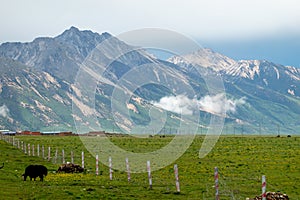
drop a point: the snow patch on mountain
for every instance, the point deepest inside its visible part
(248, 69)
(291, 92)
(293, 72)
(205, 58)
(245, 68)
(4, 111)
(277, 72)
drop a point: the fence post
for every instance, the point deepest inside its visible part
(49, 153)
(38, 150)
(217, 183)
(72, 157)
(149, 174)
(127, 169)
(55, 156)
(33, 150)
(63, 155)
(28, 149)
(110, 168)
(176, 178)
(82, 160)
(43, 152)
(263, 187)
(97, 165)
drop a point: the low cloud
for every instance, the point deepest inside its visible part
(4, 111)
(178, 104)
(217, 104)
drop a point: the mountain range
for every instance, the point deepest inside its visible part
(38, 87)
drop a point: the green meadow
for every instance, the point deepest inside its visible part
(241, 161)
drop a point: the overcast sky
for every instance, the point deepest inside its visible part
(218, 23)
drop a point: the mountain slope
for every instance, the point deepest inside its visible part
(58, 59)
(271, 90)
(38, 85)
(284, 79)
(32, 98)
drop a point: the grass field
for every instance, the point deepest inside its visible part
(241, 160)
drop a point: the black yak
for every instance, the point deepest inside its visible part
(34, 171)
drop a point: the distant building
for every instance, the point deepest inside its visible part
(65, 134)
(50, 132)
(93, 133)
(30, 133)
(60, 133)
(36, 133)
(12, 133)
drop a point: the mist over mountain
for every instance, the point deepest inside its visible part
(37, 87)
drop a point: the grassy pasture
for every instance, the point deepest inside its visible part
(241, 161)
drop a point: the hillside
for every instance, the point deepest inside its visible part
(277, 159)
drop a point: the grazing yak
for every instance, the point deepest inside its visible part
(2, 166)
(34, 171)
(70, 168)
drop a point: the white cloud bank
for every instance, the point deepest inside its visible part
(178, 104)
(4, 111)
(217, 104)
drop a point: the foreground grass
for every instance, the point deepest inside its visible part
(241, 162)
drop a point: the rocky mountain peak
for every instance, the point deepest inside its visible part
(70, 33)
(60, 56)
(84, 41)
(74, 34)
